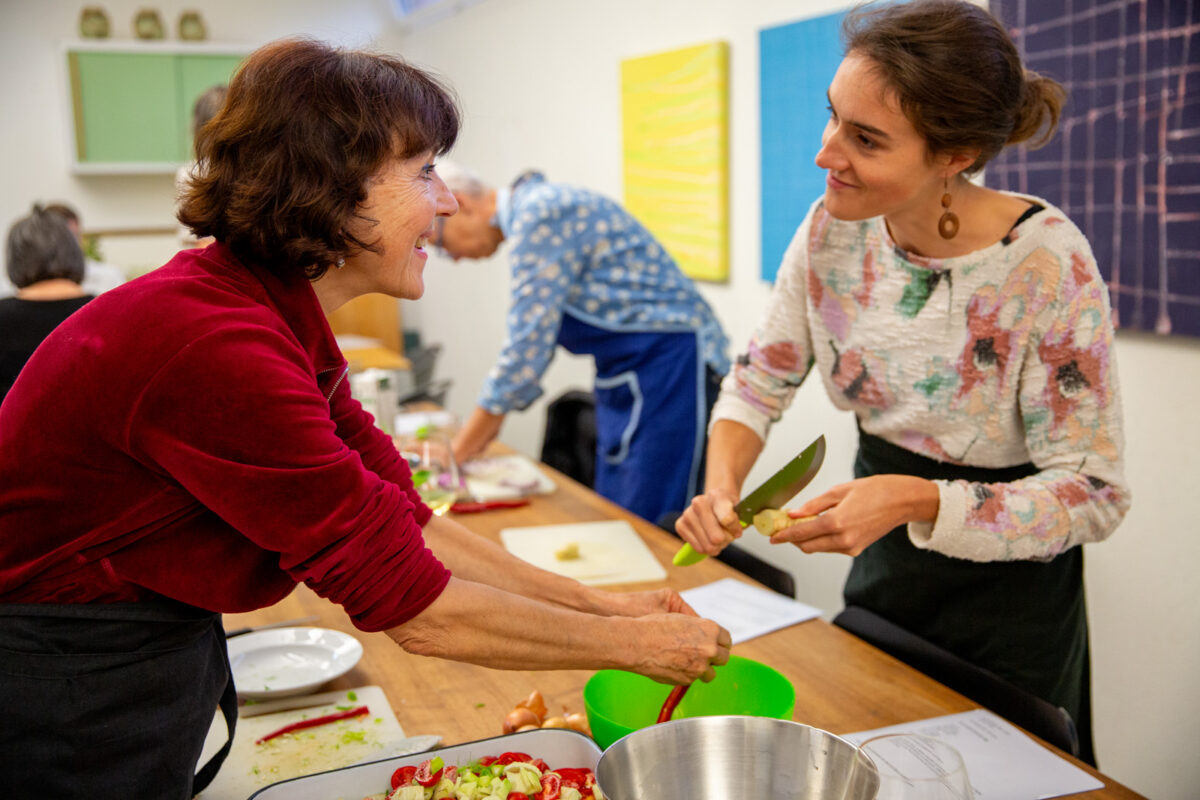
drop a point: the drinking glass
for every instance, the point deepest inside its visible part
(911, 766)
(435, 472)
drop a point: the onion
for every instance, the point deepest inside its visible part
(534, 703)
(554, 722)
(527, 728)
(578, 721)
(518, 718)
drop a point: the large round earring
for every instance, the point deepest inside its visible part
(948, 221)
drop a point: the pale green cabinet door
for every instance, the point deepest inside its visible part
(126, 107)
(198, 74)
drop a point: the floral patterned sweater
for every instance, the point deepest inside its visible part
(992, 359)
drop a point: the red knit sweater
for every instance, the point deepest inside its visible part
(191, 434)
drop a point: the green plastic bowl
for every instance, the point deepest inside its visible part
(618, 703)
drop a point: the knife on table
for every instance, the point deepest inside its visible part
(773, 493)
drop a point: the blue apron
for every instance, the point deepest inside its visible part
(651, 411)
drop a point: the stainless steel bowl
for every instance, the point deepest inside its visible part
(721, 758)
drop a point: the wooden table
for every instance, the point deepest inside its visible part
(842, 684)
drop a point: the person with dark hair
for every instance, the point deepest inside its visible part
(969, 331)
(588, 276)
(46, 265)
(207, 105)
(187, 445)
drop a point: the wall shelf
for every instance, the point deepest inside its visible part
(131, 101)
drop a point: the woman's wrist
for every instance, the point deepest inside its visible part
(926, 502)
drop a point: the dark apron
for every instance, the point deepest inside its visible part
(1025, 621)
(110, 700)
(652, 392)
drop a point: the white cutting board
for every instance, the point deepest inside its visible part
(249, 767)
(609, 552)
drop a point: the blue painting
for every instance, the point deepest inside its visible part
(1125, 164)
(797, 63)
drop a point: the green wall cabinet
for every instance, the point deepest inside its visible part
(132, 106)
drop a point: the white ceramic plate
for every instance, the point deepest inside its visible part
(288, 661)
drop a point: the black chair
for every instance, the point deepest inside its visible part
(432, 392)
(1018, 706)
(569, 443)
(745, 562)
(765, 573)
(423, 388)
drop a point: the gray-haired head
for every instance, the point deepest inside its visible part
(40, 248)
(206, 107)
(459, 179)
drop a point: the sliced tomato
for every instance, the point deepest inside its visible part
(509, 758)
(403, 777)
(486, 761)
(551, 787)
(517, 796)
(541, 765)
(573, 777)
(423, 775)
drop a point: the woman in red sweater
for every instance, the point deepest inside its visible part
(187, 445)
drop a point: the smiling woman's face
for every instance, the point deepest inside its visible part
(403, 198)
(877, 163)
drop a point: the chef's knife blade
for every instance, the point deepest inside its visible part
(773, 493)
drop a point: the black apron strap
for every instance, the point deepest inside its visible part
(110, 700)
(229, 710)
(1025, 621)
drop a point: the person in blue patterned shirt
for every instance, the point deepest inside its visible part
(588, 276)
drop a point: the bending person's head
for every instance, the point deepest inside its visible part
(41, 247)
(285, 167)
(473, 232)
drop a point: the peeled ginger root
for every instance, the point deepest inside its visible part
(773, 520)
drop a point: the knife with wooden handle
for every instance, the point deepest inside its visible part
(773, 493)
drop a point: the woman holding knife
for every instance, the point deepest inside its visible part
(969, 331)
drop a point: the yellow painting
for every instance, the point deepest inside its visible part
(675, 122)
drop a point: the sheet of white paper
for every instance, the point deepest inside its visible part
(746, 611)
(1002, 762)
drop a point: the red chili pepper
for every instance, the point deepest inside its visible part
(316, 721)
(471, 508)
(668, 707)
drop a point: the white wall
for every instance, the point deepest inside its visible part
(539, 83)
(538, 80)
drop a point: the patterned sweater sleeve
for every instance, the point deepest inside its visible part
(764, 379)
(1070, 404)
(544, 265)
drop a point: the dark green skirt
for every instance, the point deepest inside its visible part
(1025, 621)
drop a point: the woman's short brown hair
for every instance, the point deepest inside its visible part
(283, 167)
(957, 74)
